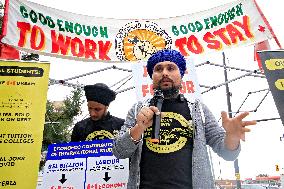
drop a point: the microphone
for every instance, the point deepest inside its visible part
(157, 101)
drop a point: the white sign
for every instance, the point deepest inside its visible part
(43, 30)
(84, 165)
(143, 83)
(65, 173)
(107, 172)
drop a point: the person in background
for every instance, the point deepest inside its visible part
(101, 124)
(179, 160)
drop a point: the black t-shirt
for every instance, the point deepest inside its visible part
(168, 164)
(88, 129)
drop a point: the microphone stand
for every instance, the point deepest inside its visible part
(157, 101)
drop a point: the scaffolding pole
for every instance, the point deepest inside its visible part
(228, 94)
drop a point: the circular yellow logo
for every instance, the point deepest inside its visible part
(171, 139)
(138, 40)
(99, 135)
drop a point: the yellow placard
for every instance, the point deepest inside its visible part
(23, 93)
(279, 84)
(238, 176)
(274, 64)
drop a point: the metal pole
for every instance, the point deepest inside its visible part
(228, 94)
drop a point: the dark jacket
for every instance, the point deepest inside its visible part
(88, 129)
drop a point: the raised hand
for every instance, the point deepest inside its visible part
(235, 128)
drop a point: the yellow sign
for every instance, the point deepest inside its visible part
(274, 64)
(238, 176)
(23, 92)
(279, 84)
(277, 167)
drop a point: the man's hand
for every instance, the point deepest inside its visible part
(145, 116)
(143, 121)
(235, 128)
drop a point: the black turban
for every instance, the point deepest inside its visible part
(100, 93)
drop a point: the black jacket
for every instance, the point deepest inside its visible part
(88, 129)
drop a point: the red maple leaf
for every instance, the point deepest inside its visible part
(261, 28)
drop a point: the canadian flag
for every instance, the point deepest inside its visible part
(8, 52)
(263, 45)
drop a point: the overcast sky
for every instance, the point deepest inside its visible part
(262, 149)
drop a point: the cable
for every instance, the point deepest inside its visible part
(267, 119)
(89, 73)
(229, 81)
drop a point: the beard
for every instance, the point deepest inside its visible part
(171, 92)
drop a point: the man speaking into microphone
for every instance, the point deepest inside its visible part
(178, 159)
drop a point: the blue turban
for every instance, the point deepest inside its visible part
(166, 55)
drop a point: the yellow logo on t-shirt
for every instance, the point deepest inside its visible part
(99, 135)
(171, 138)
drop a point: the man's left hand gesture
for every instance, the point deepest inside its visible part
(235, 128)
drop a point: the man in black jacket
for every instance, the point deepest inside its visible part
(100, 124)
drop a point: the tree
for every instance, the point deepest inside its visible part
(30, 56)
(58, 121)
(262, 175)
(59, 118)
